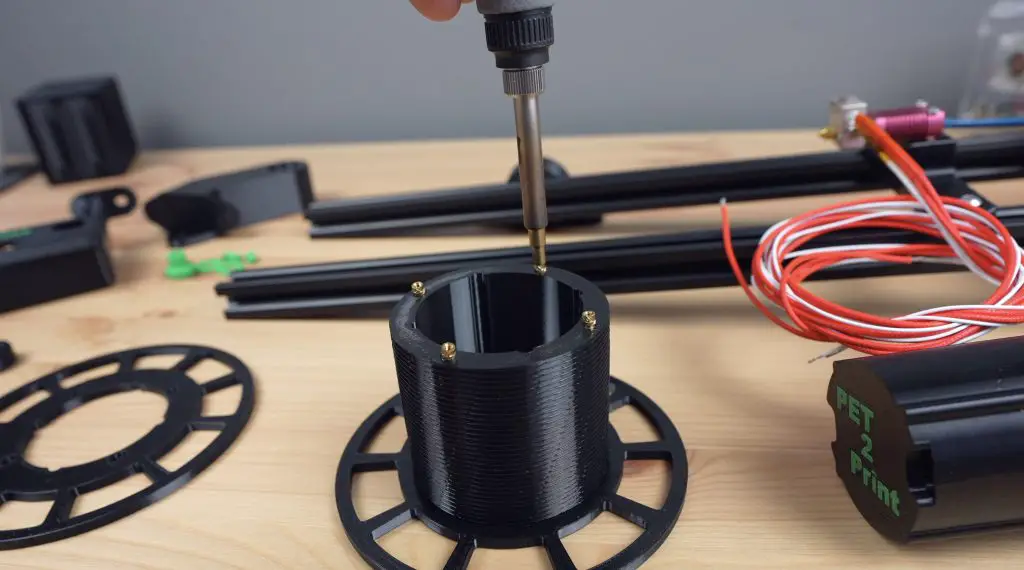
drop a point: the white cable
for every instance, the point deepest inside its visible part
(781, 237)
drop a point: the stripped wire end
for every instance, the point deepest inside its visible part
(834, 352)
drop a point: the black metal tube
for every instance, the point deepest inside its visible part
(352, 307)
(791, 171)
(974, 159)
(377, 306)
(688, 260)
(653, 263)
(630, 258)
(395, 275)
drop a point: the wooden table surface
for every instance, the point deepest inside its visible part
(762, 491)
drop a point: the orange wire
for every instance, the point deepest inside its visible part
(852, 328)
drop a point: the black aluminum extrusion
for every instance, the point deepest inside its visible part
(961, 161)
(653, 263)
(688, 260)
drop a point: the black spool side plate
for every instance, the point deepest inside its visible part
(22, 481)
(656, 523)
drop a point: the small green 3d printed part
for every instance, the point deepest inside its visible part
(180, 267)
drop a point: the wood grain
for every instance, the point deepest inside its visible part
(762, 493)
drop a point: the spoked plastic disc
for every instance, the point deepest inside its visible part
(656, 523)
(22, 481)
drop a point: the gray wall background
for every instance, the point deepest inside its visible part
(253, 72)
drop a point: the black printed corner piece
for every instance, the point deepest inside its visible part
(44, 263)
(211, 207)
(79, 129)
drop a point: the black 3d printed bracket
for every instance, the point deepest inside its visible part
(43, 263)
(210, 207)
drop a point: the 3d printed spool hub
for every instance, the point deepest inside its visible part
(22, 481)
(528, 389)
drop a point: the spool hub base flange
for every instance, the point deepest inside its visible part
(656, 523)
(22, 481)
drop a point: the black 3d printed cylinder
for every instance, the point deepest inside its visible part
(505, 394)
(504, 381)
(932, 442)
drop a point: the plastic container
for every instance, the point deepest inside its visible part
(995, 86)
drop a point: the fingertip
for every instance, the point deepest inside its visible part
(438, 10)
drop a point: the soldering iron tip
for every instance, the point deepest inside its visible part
(539, 247)
(540, 258)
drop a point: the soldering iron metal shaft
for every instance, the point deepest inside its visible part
(525, 87)
(519, 33)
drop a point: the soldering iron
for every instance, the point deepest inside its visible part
(519, 33)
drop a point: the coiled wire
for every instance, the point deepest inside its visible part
(509, 446)
(971, 237)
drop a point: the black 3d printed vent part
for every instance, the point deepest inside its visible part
(931, 442)
(22, 481)
(510, 444)
(79, 129)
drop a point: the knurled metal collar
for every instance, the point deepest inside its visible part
(523, 81)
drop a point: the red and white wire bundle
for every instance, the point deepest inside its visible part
(971, 237)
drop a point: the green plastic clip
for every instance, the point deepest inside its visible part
(179, 266)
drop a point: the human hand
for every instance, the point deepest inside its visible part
(439, 10)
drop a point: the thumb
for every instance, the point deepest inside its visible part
(439, 10)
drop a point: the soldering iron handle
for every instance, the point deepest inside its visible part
(511, 6)
(518, 32)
